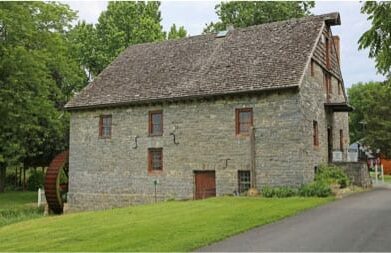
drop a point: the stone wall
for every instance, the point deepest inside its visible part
(357, 172)
(313, 96)
(312, 106)
(112, 172)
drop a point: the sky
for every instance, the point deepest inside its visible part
(193, 15)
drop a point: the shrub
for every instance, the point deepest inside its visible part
(331, 174)
(324, 178)
(278, 192)
(315, 189)
(35, 181)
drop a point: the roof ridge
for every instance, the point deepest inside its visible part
(324, 16)
(277, 22)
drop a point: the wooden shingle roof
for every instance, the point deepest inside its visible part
(267, 56)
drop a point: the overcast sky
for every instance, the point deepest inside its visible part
(193, 15)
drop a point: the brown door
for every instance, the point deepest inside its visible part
(205, 184)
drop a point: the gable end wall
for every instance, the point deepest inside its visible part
(312, 98)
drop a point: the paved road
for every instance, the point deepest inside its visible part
(361, 222)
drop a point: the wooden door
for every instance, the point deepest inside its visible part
(205, 184)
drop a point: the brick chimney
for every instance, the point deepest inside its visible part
(337, 47)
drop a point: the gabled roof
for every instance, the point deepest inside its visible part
(267, 56)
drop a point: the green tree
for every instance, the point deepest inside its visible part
(370, 122)
(378, 37)
(175, 33)
(37, 77)
(243, 14)
(121, 25)
(85, 48)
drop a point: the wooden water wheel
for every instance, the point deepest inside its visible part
(56, 182)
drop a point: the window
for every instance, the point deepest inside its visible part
(155, 126)
(105, 126)
(244, 182)
(244, 120)
(155, 159)
(315, 133)
(341, 139)
(312, 68)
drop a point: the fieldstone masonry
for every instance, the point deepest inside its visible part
(357, 172)
(312, 99)
(108, 173)
(113, 172)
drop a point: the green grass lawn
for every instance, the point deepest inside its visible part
(166, 226)
(387, 178)
(18, 206)
(17, 199)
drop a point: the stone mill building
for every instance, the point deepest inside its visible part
(208, 115)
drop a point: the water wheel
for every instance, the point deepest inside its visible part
(56, 182)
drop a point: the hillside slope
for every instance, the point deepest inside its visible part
(167, 226)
